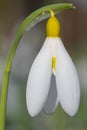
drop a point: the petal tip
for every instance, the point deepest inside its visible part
(72, 113)
(33, 111)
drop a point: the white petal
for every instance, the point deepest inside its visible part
(52, 100)
(39, 80)
(67, 81)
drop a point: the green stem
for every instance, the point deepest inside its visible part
(30, 21)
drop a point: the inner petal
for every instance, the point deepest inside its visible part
(52, 99)
(54, 65)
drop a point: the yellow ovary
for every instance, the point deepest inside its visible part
(53, 26)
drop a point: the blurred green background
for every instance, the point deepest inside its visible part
(74, 36)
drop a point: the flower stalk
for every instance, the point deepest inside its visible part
(27, 24)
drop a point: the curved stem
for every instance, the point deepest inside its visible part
(30, 21)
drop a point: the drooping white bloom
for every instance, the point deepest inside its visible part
(38, 85)
(52, 58)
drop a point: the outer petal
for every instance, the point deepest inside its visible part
(67, 81)
(52, 100)
(39, 80)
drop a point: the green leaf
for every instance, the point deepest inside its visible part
(44, 13)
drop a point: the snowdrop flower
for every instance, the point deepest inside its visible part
(52, 59)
